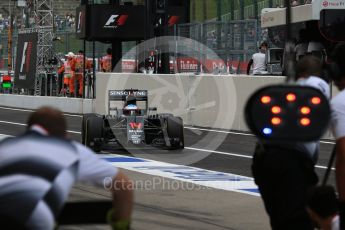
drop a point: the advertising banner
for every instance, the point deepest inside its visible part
(25, 71)
(122, 22)
(81, 22)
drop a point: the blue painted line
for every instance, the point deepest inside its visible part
(184, 172)
(214, 179)
(123, 159)
(163, 168)
(255, 190)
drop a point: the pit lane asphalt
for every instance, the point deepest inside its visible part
(205, 209)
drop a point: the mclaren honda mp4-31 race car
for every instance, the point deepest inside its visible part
(134, 125)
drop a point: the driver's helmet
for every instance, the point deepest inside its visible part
(131, 102)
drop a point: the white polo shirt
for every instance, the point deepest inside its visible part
(338, 115)
(301, 49)
(312, 147)
(92, 169)
(60, 163)
(259, 63)
(317, 83)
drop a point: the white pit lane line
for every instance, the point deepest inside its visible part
(239, 155)
(189, 148)
(186, 127)
(239, 133)
(30, 110)
(3, 136)
(20, 124)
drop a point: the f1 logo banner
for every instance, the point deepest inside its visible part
(81, 22)
(25, 71)
(105, 22)
(116, 20)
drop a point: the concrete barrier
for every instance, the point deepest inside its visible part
(214, 101)
(67, 105)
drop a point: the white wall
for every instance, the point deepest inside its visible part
(207, 100)
(213, 101)
(68, 105)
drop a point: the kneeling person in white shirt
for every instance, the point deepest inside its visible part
(55, 163)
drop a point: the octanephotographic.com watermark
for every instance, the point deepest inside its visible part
(153, 184)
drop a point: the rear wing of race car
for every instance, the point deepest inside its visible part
(121, 95)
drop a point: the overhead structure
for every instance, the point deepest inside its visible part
(116, 23)
(271, 17)
(44, 22)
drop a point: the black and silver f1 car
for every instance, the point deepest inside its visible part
(135, 125)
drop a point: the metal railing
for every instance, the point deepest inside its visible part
(234, 41)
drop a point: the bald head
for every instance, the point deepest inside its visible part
(51, 119)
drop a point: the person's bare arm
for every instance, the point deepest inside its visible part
(340, 168)
(249, 65)
(122, 191)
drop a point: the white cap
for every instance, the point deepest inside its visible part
(70, 54)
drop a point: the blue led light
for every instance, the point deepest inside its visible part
(267, 131)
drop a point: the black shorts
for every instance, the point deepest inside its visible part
(284, 177)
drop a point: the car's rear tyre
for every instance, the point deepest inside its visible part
(175, 132)
(83, 125)
(94, 132)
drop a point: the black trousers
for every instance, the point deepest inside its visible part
(284, 177)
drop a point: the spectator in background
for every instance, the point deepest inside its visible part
(258, 61)
(302, 45)
(106, 61)
(294, 3)
(322, 206)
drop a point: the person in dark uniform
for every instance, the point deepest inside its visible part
(283, 176)
(284, 172)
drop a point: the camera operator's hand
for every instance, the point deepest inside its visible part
(117, 225)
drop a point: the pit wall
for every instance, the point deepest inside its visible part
(67, 105)
(212, 101)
